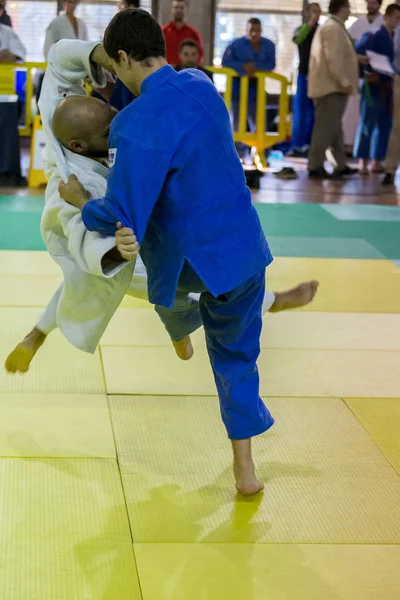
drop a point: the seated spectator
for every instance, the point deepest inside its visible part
(5, 18)
(372, 137)
(65, 26)
(303, 106)
(11, 48)
(178, 31)
(189, 58)
(246, 55)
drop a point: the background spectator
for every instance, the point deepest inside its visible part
(246, 55)
(65, 26)
(393, 154)
(4, 17)
(333, 77)
(178, 31)
(129, 4)
(11, 47)
(376, 106)
(189, 57)
(303, 106)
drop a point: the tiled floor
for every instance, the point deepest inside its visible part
(115, 477)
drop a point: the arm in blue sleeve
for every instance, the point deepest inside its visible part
(134, 185)
(268, 63)
(231, 61)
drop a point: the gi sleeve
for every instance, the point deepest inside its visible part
(16, 47)
(135, 182)
(231, 60)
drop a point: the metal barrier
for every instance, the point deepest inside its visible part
(260, 139)
(8, 86)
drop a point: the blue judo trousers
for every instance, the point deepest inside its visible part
(175, 178)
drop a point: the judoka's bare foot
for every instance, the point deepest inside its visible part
(299, 296)
(184, 348)
(247, 483)
(21, 357)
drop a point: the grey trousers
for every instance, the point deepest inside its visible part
(393, 154)
(328, 131)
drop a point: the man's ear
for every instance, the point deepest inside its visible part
(77, 146)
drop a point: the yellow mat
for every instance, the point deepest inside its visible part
(55, 425)
(17, 262)
(27, 290)
(57, 368)
(381, 418)
(346, 285)
(66, 571)
(326, 481)
(331, 373)
(291, 329)
(77, 501)
(246, 572)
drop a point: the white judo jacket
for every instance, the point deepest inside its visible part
(93, 288)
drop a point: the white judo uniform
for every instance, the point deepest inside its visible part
(93, 285)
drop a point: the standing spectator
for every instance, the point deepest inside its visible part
(5, 18)
(128, 4)
(11, 48)
(189, 58)
(303, 106)
(178, 31)
(332, 78)
(393, 154)
(366, 23)
(246, 55)
(376, 105)
(65, 26)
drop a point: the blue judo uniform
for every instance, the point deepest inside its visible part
(236, 55)
(176, 180)
(376, 105)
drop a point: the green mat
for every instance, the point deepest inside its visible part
(292, 229)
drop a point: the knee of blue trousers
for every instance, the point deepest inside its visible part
(182, 319)
(243, 412)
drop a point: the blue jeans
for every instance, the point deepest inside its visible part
(374, 127)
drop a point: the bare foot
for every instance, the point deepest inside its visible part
(21, 357)
(299, 296)
(184, 348)
(247, 483)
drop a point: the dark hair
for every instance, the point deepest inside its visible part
(137, 33)
(336, 6)
(391, 9)
(132, 3)
(254, 21)
(190, 43)
(311, 4)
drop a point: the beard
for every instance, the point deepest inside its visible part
(94, 153)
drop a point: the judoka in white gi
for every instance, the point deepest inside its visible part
(95, 276)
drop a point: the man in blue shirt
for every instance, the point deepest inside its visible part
(393, 154)
(176, 180)
(376, 106)
(246, 55)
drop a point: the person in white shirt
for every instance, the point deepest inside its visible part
(65, 26)
(370, 22)
(95, 277)
(11, 48)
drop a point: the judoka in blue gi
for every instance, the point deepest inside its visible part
(376, 106)
(246, 55)
(188, 204)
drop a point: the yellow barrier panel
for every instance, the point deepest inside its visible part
(260, 139)
(7, 75)
(36, 176)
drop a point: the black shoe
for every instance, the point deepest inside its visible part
(344, 172)
(286, 173)
(388, 179)
(319, 173)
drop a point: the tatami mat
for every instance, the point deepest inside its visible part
(326, 481)
(331, 373)
(246, 572)
(290, 329)
(57, 368)
(346, 285)
(56, 500)
(23, 262)
(68, 571)
(55, 425)
(27, 290)
(381, 418)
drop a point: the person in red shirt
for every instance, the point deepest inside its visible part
(178, 31)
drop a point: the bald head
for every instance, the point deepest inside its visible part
(82, 124)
